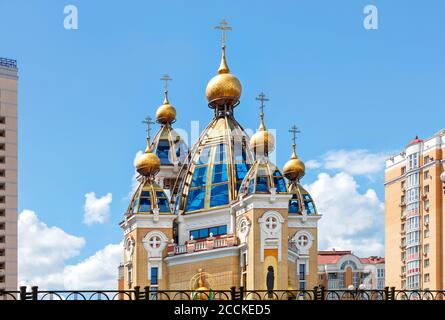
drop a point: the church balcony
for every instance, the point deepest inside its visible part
(200, 245)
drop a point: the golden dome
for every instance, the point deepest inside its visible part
(224, 88)
(262, 142)
(294, 169)
(166, 113)
(148, 164)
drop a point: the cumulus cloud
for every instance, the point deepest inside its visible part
(96, 210)
(44, 250)
(355, 162)
(351, 220)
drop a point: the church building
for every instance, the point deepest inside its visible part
(220, 213)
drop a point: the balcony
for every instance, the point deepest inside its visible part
(209, 243)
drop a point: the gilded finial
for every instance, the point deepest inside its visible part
(148, 121)
(166, 78)
(223, 26)
(262, 97)
(294, 130)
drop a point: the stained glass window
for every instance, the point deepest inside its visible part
(219, 195)
(163, 204)
(309, 204)
(279, 183)
(293, 205)
(162, 151)
(144, 204)
(195, 200)
(219, 173)
(261, 184)
(199, 177)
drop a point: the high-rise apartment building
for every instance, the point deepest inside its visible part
(414, 215)
(8, 174)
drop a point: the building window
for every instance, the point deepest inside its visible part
(2, 279)
(403, 170)
(130, 274)
(2, 146)
(426, 189)
(426, 263)
(205, 232)
(302, 271)
(426, 248)
(426, 160)
(427, 277)
(426, 174)
(426, 219)
(2, 252)
(426, 205)
(162, 202)
(2, 120)
(2, 212)
(2, 239)
(154, 276)
(2, 266)
(2, 173)
(402, 185)
(2, 186)
(309, 204)
(2, 226)
(2, 133)
(426, 233)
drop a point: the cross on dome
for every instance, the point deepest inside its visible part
(223, 26)
(166, 78)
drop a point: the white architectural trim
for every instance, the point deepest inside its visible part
(201, 256)
(270, 237)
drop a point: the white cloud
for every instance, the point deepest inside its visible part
(43, 252)
(42, 249)
(313, 164)
(355, 162)
(351, 220)
(96, 210)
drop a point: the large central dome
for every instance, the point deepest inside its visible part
(224, 89)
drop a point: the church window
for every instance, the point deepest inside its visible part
(279, 181)
(162, 151)
(219, 195)
(199, 177)
(293, 205)
(219, 173)
(154, 276)
(205, 232)
(162, 202)
(262, 184)
(145, 204)
(195, 200)
(309, 204)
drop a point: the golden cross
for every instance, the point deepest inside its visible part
(166, 78)
(294, 130)
(223, 26)
(148, 121)
(262, 97)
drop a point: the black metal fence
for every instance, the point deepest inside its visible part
(147, 293)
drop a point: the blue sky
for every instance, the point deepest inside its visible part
(83, 93)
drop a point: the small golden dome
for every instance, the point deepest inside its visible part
(262, 142)
(224, 88)
(294, 169)
(166, 113)
(148, 164)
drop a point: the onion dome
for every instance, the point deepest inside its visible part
(148, 164)
(148, 198)
(224, 89)
(166, 113)
(215, 169)
(262, 177)
(294, 169)
(262, 142)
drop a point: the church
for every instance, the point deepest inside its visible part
(220, 213)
